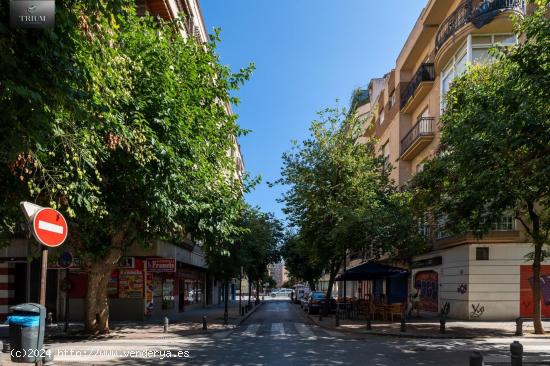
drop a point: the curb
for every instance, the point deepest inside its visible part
(86, 337)
(246, 316)
(412, 335)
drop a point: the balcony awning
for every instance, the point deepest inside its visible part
(371, 271)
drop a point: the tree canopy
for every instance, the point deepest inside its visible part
(120, 123)
(341, 198)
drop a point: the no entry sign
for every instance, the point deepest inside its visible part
(49, 227)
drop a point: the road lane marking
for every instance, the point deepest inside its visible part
(304, 330)
(48, 226)
(251, 330)
(277, 329)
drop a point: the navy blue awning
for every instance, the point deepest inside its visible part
(371, 271)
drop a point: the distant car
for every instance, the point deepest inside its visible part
(283, 292)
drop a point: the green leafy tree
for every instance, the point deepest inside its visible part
(341, 198)
(121, 124)
(300, 263)
(495, 157)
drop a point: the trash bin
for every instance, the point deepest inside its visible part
(26, 323)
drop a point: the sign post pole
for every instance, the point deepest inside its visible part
(44, 273)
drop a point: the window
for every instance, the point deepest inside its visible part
(385, 150)
(442, 231)
(483, 43)
(456, 67)
(482, 254)
(475, 50)
(392, 99)
(505, 223)
(420, 166)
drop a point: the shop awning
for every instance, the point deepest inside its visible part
(371, 271)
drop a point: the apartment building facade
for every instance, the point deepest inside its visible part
(486, 278)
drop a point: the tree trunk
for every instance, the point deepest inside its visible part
(311, 285)
(538, 242)
(226, 301)
(537, 321)
(96, 302)
(257, 292)
(332, 277)
(249, 290)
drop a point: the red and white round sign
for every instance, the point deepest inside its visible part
(49, 227)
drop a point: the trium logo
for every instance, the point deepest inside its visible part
(32, 14)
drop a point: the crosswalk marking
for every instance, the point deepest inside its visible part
(303, 330)
(277, 329)
(251, 329)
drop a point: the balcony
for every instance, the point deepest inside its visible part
(419, 136)
(418, 87)
(478, 12)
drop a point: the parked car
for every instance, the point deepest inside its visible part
(316, 301)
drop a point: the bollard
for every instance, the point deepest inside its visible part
(516, 349)
(204, 327)
(519, 327)
(320, 315)
(49, 318)
(403, 327)
(442, 322)
(242, 311)
(369, 322)
(6, 347)
(225, 318)
(337, 318)
(47, 359)
(476, 359)
(166, 322)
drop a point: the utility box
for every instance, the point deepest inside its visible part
(27, 325)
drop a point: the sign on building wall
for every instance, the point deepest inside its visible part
(161, 265)
(130, 283)
(429, 290)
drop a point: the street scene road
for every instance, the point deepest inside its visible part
(280, 333)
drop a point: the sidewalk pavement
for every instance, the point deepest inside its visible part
(181, 324)
(430, 328)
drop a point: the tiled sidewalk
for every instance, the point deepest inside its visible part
(187, 322)
(430, 328)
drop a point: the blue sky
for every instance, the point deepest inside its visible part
(308, 54)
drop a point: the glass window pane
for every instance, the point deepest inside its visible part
(481, 55)
(461, 65)
(506, 39)
(482, 40)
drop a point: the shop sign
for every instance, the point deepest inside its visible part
(428, 262)
(130, 283)
(161, 265)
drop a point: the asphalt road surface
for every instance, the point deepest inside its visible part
(278, 333)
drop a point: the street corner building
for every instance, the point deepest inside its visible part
(485, 279)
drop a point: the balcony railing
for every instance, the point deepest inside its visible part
(426, 72)
(425, 126)
(477, 12)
